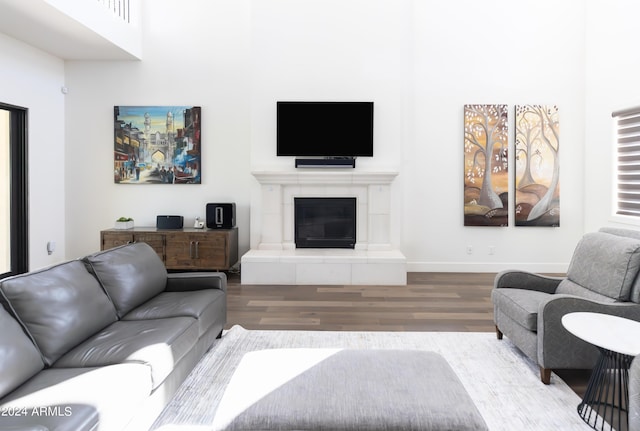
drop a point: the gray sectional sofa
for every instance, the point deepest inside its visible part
(103, 342)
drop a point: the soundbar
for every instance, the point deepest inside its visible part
(325, 163)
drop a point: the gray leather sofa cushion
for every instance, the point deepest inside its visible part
(204, 305)
(56, 417)
(130, 274)
(112, 395)
(521, 305)
(11, 426)
(76, 306)
(606, 264)
(160, 344)
(19, 357)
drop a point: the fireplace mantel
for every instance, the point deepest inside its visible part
(371, 189)
(276, 260)
(325, 177)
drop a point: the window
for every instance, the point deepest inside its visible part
(13, 191)
(627, 128)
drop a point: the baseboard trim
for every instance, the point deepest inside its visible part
(554, 268)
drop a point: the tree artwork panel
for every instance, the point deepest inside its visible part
(537, 173)
(157, 144)
(486, 175)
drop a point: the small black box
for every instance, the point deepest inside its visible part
(221, 216)
(169, 222)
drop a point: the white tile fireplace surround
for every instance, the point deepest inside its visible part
(276, 260)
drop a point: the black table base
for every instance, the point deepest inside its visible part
(606, 402)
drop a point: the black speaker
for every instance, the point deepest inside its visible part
(221, 216)
(169, 222)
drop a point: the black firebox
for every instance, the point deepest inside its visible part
(325, 222)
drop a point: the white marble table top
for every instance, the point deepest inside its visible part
(609, 332)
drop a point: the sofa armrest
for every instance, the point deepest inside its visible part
(185, 281)
(526, 280)
(557, 346)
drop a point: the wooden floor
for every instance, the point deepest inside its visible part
(458, 302)
(429, 302)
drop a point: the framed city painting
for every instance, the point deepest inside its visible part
(537, 166)
(486, 176)
(157, 144)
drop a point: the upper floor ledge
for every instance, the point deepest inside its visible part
(76, 30)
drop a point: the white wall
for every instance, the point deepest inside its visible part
(420, 62)
(195, 53)
(498, 51)
(613, 67)
(331, 50)
(32, 79)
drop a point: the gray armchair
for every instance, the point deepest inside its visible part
(602, 277)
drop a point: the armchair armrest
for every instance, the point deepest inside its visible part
(526, 280)
(185, 281)
(557, 347)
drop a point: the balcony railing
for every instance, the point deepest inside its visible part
(120, 8)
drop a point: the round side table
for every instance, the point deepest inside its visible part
(606, 400)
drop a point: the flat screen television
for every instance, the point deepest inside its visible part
(325, 129)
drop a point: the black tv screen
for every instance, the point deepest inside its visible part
(327, 129)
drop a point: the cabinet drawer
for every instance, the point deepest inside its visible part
(115, 239)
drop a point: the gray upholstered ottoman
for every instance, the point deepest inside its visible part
(335, 389)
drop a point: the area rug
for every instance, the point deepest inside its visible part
(502, 382)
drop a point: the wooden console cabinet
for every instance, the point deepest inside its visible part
(187, 248)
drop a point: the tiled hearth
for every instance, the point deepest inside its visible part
(276, 259)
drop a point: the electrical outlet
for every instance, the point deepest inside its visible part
(469, 249)
(492, 249)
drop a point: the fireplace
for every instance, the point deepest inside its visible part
(275, 258)
(325, 222)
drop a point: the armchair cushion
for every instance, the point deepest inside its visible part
(521, 305)
(604, 263)
(635, 288)
(568, 287)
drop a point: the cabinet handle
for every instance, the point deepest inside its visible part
(197, 249)
(191, 249)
